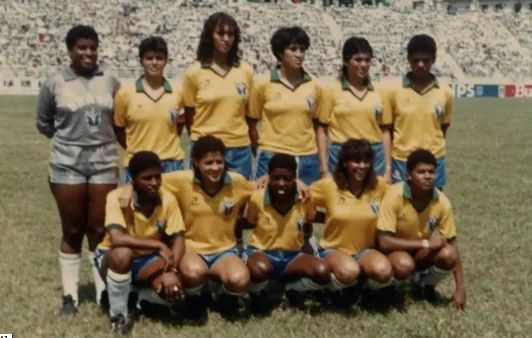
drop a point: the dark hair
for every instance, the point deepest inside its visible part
(207, 144)
(285, 36)
(421, 43)
(419, 156)
(80, 32)
(282, 161)
(355, 150)
(205, 46)
(352, 46)
(143, 160)
(154, 44)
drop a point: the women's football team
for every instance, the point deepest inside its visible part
(172, 235)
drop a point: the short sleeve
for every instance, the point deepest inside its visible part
(325, 106)
(447, 226)
(318, 94)
(317, 191)
(309, 210)
(449, 106)
(120, 107)
(386, 116)
(387, 221)
(256, 100)
(174, 223)
(189, 88)
(114, 218)
(253, 207)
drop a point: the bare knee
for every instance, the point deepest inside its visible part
(446, 258)
(95, 236)
(402, 264)
(120, 259)
(237, 279)
(321, 273)
(260, 268)
(346, 273)
(381, 271)
(73, 236)
(193, 275)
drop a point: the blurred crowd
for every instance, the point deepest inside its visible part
(471, 44)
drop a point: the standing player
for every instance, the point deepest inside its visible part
(284, 102)
(280, 217)
(352, 107)
(212, 200)
(75, 111)
(421, 109)
(417, 230)
(143, 246)
(215, 91)
(146, 112)
(351, 198)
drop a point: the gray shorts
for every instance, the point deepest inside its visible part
(71, 164)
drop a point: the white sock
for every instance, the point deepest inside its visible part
(302, 285)
(374, 285)
(433, 276)
(118, 286)
(336, 285)
(70, 265)
(258, 287)
(99, 284)
(149, 295)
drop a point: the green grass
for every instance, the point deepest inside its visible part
(490, 186)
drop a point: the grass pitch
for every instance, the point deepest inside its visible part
(490, 184)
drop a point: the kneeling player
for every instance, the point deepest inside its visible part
(417, 230)
(137, 245)
(279, 218)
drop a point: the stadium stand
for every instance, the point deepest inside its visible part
(471, 44)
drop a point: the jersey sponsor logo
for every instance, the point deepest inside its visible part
(374, 206)
(439, 110)
(378, 111)
(173, 115)
(93, 118)
(227, 207)
(242, 90)
(161, 224)
(311, 103)
(432, 223)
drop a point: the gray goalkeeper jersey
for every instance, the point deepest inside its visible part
(77, 111)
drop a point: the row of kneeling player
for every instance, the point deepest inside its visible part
(181, 233)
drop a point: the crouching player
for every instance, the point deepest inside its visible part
(142, 246)
(279, 217)
(417, 231)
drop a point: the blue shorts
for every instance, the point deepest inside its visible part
(280, 260)
(325, 252)
(212, 259)
(379, 163)
(167, 166)
(308, 166)
(237, 159)
(399, 172)
(139, 263)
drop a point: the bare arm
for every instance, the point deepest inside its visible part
(459, 296)
(253, 134)
(178, 249)
(444, 128)
(121, 239)
(321, 138)
(388, 243)
(189, 117)
(121, 136)
(387, 145)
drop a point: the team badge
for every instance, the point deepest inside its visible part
(378, 111)
(161, 225)
(227, 207)
(311, 103)
(242, 90)
(341, 199)
(299, 224)
(173, 115)
(206, 83)
(94, 118)
(439, 110)
(194, 200)
(432, 224)
(374, 206)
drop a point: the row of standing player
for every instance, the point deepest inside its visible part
(75, 109)
(375, 236)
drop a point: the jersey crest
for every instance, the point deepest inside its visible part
(227, 207)
(432, 223)
(93, 118)
(242, 90)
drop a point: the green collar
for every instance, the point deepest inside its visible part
(407, 192)
(345, 83)
(407, 81)
(227, 179)
(139, 86)
(136, 203)
(268, 197)
(274, 75)
(208, 64)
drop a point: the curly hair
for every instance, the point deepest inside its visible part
(205, 46)
(355, 150)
